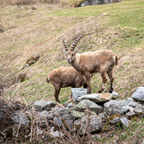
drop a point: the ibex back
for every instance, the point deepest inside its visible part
(92, 62)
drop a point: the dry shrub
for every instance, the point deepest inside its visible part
(71, 3)
(50, 1)
(23, 2)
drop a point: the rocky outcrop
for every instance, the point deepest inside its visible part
(47, 120)
(97, 2)
(43, 105)
(87, 104)
(31, 61)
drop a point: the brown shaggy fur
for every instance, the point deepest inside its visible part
(65, 77)
(93, 62)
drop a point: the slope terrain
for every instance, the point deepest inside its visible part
(28, 32)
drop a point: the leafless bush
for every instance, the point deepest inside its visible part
(23, 2)
(38, 130)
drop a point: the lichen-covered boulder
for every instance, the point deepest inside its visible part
(82, 126)
(64, 115)
(87, 104)
(116, 107)
(139, 94)
(20, 118)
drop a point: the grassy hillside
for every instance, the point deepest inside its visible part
(28, 32)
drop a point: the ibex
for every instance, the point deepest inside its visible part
(92, 62)
(65, 77)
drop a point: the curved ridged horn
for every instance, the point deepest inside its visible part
(75, 43)
(65, 45)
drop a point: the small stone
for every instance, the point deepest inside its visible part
(115, 120)
(130, 99)
(70, 105)
(130, 114)
(124, 122)
(20, 118)
(55, 134)
(87, 104)
(133, 104)
(139, 94)
(114, 95)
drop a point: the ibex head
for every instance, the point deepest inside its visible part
(70, 53)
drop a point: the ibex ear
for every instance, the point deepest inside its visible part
(75, 51)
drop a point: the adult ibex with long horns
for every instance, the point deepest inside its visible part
(92, 62)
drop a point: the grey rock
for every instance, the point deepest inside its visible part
(20, 118)
(58, 122)
(103, 97)
(139, 94)
(44, 105)
(131, 112)
(124, 121)
(130, 99)
(64, 115)
(70, 105)
(114, 95)
(115, 120)
(87, 104)
(133, 104)
(31, 61)
(116, 107)
(139, 109)
(95, 124)
(55, 134)
(77, 114)
(46, 114)
(78, 92)
(97, 2)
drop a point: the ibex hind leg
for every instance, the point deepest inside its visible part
(57, 90)
(104, 80)
(110, 75)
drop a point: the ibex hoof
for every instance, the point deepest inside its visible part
(89, 92)
(111, 90)
(100, 91)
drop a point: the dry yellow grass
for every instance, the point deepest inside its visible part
(30, 32)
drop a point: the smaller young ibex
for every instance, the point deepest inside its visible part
(92, 62)
(65, 77)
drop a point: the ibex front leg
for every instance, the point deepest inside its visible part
(103, 75)
(88, 77)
